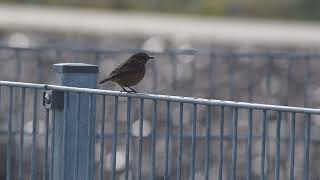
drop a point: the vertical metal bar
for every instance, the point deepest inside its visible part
(290, 66)
(39, 68)
(306, 147)
(269, 75)
(77, 139)
(128, 138)
(52, 142)
(270, 63)
(194, 74)
(22, 111)
(180, 141)
(140, 136)
(267, 153)
(93, 139)
(65, 120)
(154, 138)
(34, 134)
(207, 146)
(211, 74)
(18, 65)
(263, 144)
(193, 142)
(277, 160)
(221, 139)
(231, 65)
(174, 71)
(231, 76)
(46, 147)
(234, 143)
(103, 122)
(250, 86)
(97, 58)
(249, 149)
(58, 54)
(90, 127)
(9, 146)
(292, 144)
(10, 133)
(167, 141)
(114, 138)
(155, 76)
(0, 97)
(307, 82)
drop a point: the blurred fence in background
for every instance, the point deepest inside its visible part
(209, 138)
(265, 76)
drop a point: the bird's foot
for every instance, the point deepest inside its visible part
(132, 90)
(124, 90)
(128, 91)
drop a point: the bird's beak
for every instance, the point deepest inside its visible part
(151, 57)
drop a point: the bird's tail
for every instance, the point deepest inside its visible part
(105, 80)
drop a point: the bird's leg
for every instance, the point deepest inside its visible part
(124, 90)
(132, 90)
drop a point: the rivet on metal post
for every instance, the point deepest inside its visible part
(52, 99)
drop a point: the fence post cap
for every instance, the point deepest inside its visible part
(75, 68)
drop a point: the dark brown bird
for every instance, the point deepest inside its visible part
(130, 72)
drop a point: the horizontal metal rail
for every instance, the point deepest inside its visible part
(191, 100)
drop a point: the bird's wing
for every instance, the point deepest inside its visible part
(122, 70)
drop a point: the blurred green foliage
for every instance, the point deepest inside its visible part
(283, 9)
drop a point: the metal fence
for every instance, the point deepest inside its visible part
(81, 133)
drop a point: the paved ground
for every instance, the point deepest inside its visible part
(205, 29)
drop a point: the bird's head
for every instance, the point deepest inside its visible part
(141, 57)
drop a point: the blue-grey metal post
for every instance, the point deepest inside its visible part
(65, 122)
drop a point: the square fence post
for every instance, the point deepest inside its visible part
(74, 122)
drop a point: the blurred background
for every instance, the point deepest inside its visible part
(282, 9)
(247, 50)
